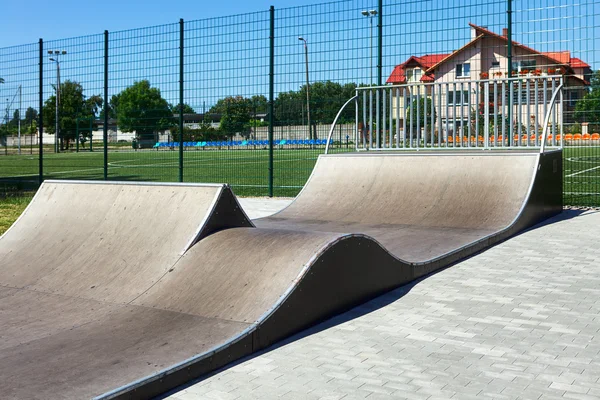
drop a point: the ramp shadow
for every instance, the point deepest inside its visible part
(367, 307)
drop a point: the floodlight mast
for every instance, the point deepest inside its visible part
(369, 14)
(310, 136)
(56, 53)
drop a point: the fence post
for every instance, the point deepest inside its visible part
(41, 114)
(379, 42)
(105, 128)
(181, 100)
(509, 69)
(271, 94)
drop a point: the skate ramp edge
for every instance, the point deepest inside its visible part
(339, 271)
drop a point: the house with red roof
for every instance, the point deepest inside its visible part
(485, 57)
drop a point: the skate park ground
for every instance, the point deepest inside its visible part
(518, 321)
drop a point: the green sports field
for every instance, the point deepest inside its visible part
(247, 170)
(581, 169)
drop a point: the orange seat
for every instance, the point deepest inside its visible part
(550, 136)
(595, 136)
(568, 136)
(577, 136)
(450, 139)
(586, 136)
(558, 138)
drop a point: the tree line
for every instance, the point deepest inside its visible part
(141, 108)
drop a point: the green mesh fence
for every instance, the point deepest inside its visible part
(19, 88)
(249, 99)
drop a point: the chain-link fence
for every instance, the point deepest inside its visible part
(249, 99)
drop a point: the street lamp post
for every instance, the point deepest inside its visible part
(370, 14)
(310, 136)
(56, 53)
(20, 109)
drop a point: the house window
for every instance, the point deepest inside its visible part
(454, 97)
(463, 70)
(573, 97)
(417, 74)
(413, 74)
(523, 64)
(495, 64)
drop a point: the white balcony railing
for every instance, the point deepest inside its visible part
(490, 113)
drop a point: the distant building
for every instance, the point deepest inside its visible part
(485, 57)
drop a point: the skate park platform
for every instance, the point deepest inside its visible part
(184, 283)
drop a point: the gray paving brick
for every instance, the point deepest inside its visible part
(518, 321)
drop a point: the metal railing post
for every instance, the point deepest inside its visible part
(181, 100)
(41, 115)
(105, 128)
(271, 93)
(509, 69)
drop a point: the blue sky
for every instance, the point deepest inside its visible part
(26, 22)
(227, 41)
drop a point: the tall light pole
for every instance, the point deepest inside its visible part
(20, 109)
(310, 136)
(6, 150)
(370, 14)
(56, 53)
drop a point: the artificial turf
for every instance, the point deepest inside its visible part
(247, 171)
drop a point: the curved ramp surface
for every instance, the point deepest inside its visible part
(363, 225)
(72, 265)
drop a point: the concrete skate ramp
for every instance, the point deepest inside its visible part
(364, 224)
(423, 207)
(70, 268)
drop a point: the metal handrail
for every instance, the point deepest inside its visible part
(547, 118)
(335, 122)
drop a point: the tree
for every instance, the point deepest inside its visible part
(326, 98)
(588, 108)
(140, 108)
(289, 108)
(31, 115)
(235, 115)
(419, 113)
(73, 105)
(258, 104)
(187, 109)
(204, 132)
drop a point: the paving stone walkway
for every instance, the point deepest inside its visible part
(519, 321)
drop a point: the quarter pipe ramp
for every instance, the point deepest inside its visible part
(109, 304)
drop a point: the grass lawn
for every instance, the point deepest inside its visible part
(11, 208)
(581, 171)
(247, 170)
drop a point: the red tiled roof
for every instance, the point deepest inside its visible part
(397, 75)
(563, 57)
(430, 62)
(425, 62)
(578, 63)
(449, 56)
